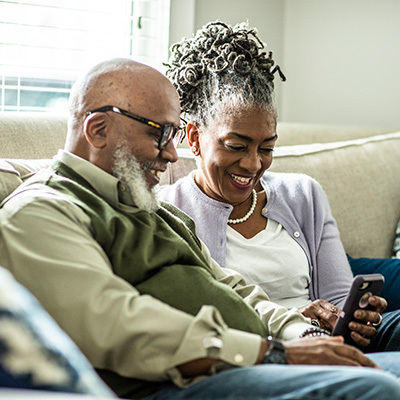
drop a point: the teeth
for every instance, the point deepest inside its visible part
(155, 172)
(240, 179)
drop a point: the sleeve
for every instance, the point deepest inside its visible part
(48, 247)
(332, 276)
(280, 322)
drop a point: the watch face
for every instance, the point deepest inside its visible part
(276, 357)
(275, 354)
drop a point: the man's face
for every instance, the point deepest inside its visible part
(141, 140)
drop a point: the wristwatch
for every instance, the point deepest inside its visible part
(276, 352)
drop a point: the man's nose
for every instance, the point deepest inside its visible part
(169, 153)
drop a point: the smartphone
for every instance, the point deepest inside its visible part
(363, 287)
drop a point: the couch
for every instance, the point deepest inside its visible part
(357, 166)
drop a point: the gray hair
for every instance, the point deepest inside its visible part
(222, 69)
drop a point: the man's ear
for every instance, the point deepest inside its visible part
(95, 130)
(192, 131)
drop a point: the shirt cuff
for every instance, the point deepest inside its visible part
(232, 347)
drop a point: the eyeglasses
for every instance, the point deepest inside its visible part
(168, 131)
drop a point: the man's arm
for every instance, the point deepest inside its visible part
(280, 322)
(48, 247)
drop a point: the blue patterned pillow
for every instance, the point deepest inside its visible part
(34, 352)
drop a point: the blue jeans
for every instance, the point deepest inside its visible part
(388, 336)
(292, 382)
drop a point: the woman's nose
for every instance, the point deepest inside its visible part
(251, 162)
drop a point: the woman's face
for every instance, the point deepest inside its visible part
(235, 151)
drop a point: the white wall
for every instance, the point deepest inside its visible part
(266, 15)
(341, 58)
(342, 62)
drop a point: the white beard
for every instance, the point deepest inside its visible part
(126, 167)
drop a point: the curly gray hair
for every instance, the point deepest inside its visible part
(222, 69)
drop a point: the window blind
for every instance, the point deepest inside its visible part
(46, 44)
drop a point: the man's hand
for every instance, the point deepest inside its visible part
(363, 332)
(324, 312)
(325, 350)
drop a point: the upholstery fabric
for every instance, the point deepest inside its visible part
(295, 133)
(34, 352)
(362, 189)
(359, 177)
(31, 135)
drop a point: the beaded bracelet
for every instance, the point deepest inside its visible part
(314, 331)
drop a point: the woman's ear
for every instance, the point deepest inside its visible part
(192, 131)
(95, 130)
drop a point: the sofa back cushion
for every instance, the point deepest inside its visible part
(294, 133)
(361, 179)
(31, 135)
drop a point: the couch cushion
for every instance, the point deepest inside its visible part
(361, 179)
(14, 171)
(31, 135)
(186, 163)
(294, 133)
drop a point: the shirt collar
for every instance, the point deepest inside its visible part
(105, 184)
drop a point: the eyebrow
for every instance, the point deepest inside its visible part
(248, 139)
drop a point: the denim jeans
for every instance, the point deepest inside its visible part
(292, 382)
(388, 336)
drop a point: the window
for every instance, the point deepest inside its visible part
(46, 44)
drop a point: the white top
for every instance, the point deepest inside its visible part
(285, 275)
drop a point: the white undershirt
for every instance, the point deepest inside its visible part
(273, 260)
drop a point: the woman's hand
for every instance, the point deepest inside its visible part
(324, 312)
(364, 331)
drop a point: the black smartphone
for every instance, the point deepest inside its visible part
(362, 288)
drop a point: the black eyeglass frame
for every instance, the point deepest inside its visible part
(168, 131)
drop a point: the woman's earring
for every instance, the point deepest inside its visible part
(194, 150)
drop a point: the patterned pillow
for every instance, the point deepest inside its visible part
(396, 246)
(34, 352)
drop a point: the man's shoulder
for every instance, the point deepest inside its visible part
(35, 192)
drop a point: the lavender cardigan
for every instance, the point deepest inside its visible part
(299, 204)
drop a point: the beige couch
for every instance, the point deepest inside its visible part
(358, 167)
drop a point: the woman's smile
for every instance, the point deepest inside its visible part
(241, 182)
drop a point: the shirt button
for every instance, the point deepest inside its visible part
(296, 234)
(264, 210)
(238, 358)
(122, 187)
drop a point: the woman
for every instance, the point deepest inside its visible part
(275, 229)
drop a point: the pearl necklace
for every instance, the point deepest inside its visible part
(248, 215)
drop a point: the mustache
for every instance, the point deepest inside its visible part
(159, 166)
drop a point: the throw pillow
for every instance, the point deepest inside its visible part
(34, 352)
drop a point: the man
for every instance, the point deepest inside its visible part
(129, 281)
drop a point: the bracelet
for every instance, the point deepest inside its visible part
(314, 331)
